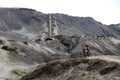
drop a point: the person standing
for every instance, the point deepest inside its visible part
(86, 51)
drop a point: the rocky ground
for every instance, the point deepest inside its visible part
(22, 56)
(91, 68)
(18, 56)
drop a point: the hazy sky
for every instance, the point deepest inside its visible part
(105, 11)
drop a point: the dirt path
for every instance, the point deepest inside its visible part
(106, 58)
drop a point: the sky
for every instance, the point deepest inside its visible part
(105, 11)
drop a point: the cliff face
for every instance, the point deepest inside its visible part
(115, 29)
(25, 22)
(30, 23)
